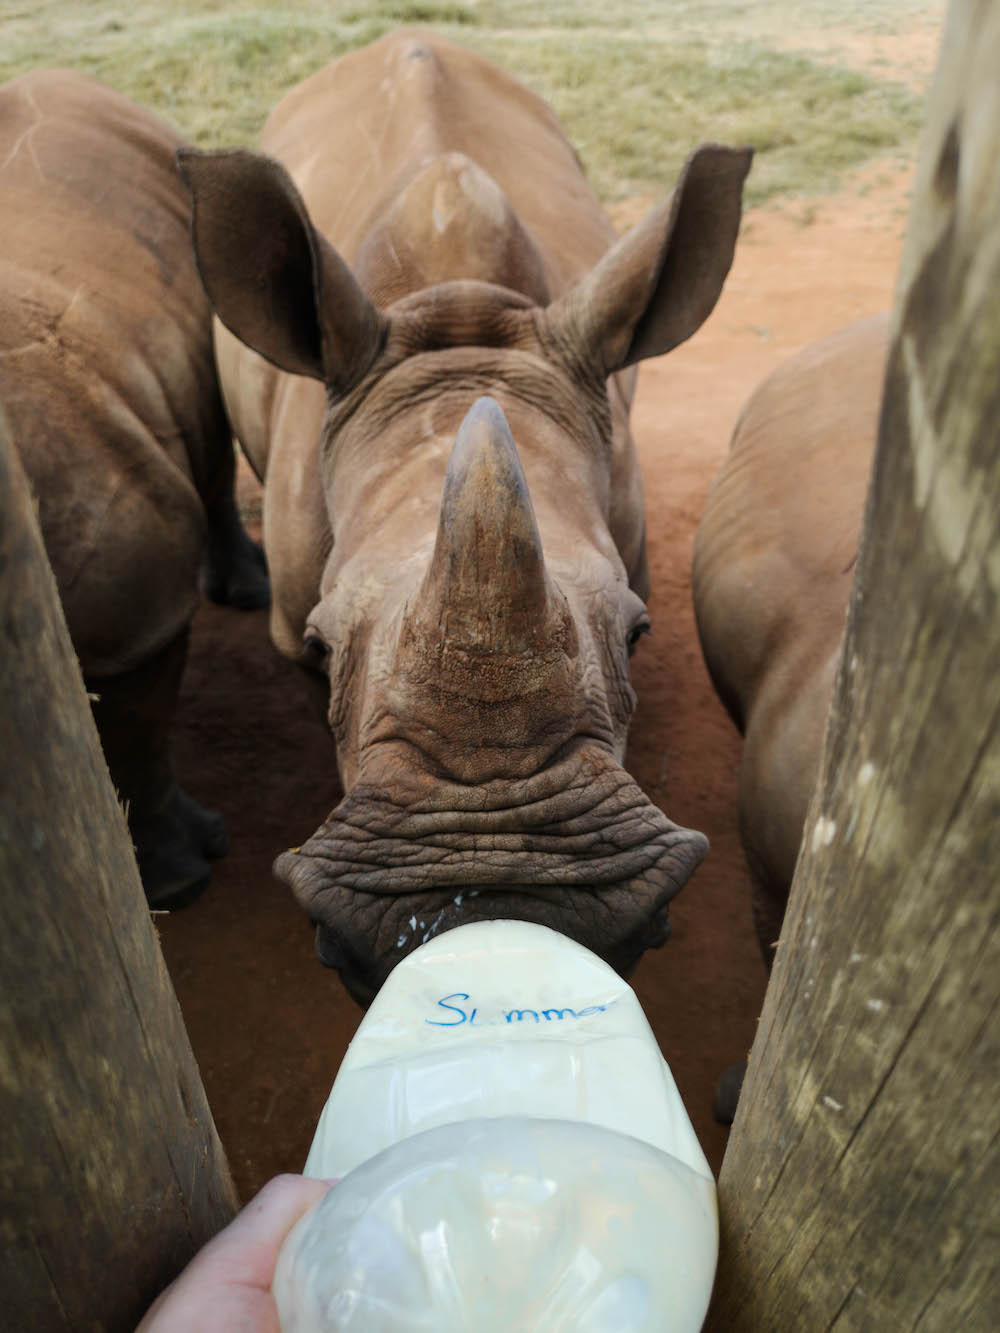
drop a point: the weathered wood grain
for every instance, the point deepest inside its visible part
(111, 1173)
(861, 1188)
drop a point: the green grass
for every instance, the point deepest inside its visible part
(809, 123)
(636, 82)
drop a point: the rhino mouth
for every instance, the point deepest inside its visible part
(592, 858)
(591, 917)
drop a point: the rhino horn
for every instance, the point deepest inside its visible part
(486, 586)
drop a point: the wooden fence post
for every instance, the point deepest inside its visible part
(111, 1172)
(861, 1187)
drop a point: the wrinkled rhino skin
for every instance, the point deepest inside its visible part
(773, 567)
(421, 316)
(107, 378)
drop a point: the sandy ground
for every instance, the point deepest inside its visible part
(268, 1024)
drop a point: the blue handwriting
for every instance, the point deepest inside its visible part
(510, 1016)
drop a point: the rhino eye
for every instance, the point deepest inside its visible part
(640, 628)
(315, 652)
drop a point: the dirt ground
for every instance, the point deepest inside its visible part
(268, 1024)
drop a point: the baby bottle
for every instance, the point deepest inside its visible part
(513, 1152)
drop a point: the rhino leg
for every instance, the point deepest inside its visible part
(175, 838)
(727, 1092)
(768, 899)
(234, 570)
(233, 567)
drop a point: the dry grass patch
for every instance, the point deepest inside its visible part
(637, 82)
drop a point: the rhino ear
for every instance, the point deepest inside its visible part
(659, 284)
(274, 281)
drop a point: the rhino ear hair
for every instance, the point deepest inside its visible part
(273, 280)
(660, 282)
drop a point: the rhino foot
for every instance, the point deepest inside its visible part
(727, 1092)
(174, 849)
(234, 568)
(236, 575)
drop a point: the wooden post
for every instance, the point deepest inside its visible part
(861, 1185)
(111, 1172)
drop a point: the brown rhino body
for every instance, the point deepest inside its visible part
(107, 378)
(773, 567)
(453, 508)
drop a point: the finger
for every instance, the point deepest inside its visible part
(233, 1272)
(247, 1249)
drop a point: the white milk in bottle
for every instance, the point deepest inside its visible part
(513, 1154)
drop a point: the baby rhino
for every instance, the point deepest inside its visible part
(108, 382)
(773, 565)
(430, 334)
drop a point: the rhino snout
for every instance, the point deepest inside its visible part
(584, 852)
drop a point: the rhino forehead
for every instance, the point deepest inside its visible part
(418, 392)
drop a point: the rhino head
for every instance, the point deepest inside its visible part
(480, 709)
(474, 615)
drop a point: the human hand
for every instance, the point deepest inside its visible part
(226, 1288)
